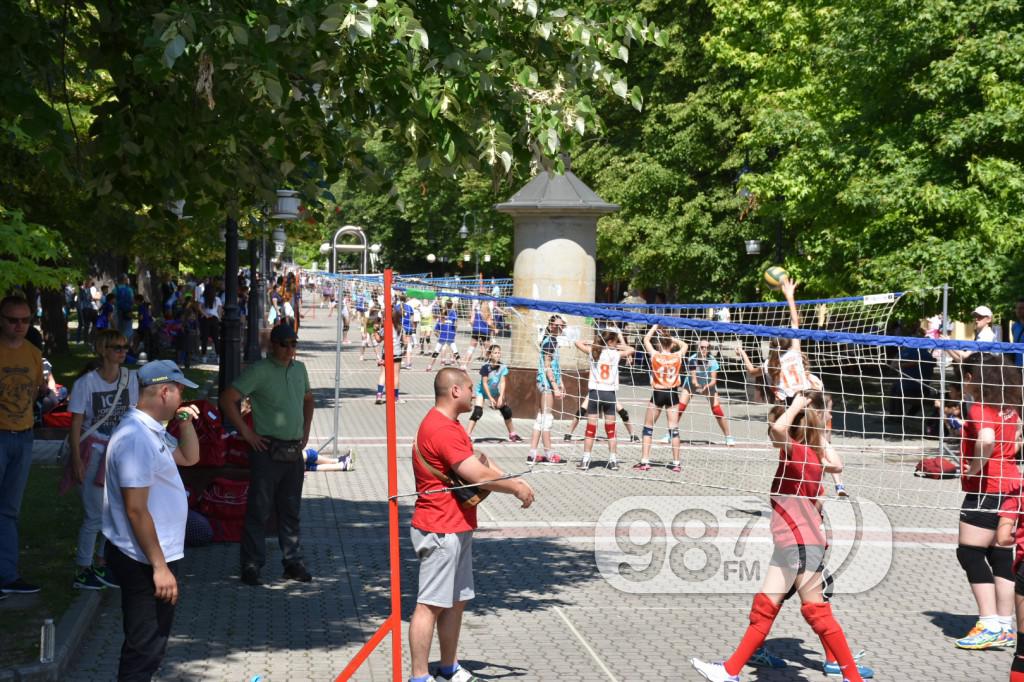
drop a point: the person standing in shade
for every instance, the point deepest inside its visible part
(442, 527)
(282, 410)
(21, 382)
(144, 511)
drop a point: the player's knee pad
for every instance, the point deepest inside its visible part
(1001, 561)
(673, 434)
(973, 560)
(609, 430)
(506, 412)
(763, 612)
(549, 421)
(717, 410)
(590, 431)
(819, 617)
(648, 431)
(682, 407)
(582, 412)
(538, 423)
(624, 415)
(477, 413)
(434, 354)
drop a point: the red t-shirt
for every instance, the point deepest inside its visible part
(1013, 508)
(1000, 473)
(796, 519)
(442, 442)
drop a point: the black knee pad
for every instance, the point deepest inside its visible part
(624, 415)
(477, 413)
(973, 561)
(1018, 660)
(1001, 561)
(506, 412)
(434, 354)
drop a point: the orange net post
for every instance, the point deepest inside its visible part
(393, 624)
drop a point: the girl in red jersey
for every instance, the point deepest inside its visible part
(666, 355)
(805, 454)
(1011, 524)
(989, 476)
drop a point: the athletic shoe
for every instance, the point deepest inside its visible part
(555, 458)
(85, 579)
(986, 639)
(642, 466)
(715, 672)
(379, 400)
(762, 658)
(567, 436)
(537, 459)
(1007, 638)
(460, 675)
(675, 468)
(297, 572)
(841, 490)
(612, 465)
(105, 576)
(583, 464)
(976, 630)
(730, 441)
(515, 438)
(832, 670)
(633, 438)
(19, 586)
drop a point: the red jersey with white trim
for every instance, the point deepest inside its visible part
(796, 518)
(1000, 473)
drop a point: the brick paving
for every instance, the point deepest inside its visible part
(544, 611)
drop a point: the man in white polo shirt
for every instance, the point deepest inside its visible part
(144, 513)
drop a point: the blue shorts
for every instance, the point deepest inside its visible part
(479, 392)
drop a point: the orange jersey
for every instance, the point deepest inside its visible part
(665, 370)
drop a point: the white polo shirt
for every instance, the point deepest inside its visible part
(141, 455)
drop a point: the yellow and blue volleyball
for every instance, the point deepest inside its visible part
(774, 275)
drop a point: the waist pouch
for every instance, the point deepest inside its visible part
(285, 450)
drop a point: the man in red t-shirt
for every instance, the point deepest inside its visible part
(442, 529)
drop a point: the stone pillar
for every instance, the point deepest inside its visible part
(555, 221)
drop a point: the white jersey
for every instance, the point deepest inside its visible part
(793, 376)
(604, 372)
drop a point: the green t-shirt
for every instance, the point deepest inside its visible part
(277, 393)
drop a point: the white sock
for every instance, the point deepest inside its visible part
(991, 623)
(1006, 623)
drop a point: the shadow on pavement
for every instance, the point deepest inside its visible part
(953, 625)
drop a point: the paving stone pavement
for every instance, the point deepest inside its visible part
(544, 611)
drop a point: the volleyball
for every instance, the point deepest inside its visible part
(774, 275)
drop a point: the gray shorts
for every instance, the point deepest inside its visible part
(799, 558)
(446, 567)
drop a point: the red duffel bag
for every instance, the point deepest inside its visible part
(224, 504)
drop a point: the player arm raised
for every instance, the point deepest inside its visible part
(789, 291)
(623, 347)
(752, 370)
(648, 346)
(779, 430)
(479, 468)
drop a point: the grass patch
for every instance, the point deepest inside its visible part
(48, 535)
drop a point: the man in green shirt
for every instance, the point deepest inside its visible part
(282, 411)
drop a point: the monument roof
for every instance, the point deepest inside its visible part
(549, 191)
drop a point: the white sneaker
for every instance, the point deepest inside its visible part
(715, 672)
(730, 441)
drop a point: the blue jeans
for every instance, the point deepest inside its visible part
(15, 463)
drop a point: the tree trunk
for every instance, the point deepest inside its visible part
(55, 325)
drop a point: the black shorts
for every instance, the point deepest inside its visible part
(480, 337)
(1018, 579)
(600, 402)
(665, 397)
(981, 510)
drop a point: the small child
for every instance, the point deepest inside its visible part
(317, 462)
(492, 389)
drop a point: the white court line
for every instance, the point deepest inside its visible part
(586, 646)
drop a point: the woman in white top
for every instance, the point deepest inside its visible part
(99, 399)
(209, 324)
(605, 352)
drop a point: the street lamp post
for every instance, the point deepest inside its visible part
(230, 359)
(464, 232)
(257, 290)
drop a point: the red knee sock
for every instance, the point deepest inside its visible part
(762, 614)
(829, 656)
(820, 618)
(1016, 676)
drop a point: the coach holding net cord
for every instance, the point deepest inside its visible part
(442, 528)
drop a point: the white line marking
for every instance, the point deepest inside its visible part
(586, 646)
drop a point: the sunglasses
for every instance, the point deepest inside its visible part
(288, 344)
(17, 320)
(120, 349)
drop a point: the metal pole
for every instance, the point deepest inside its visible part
(252, 330)
(230, 361)
(942, 371)
(347, 229)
